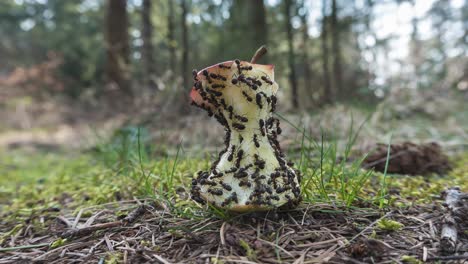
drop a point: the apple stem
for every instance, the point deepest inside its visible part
(259, 54)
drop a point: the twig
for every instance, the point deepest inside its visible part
(455, 257)
(23, 247)
(448, 236)
(259, 54)
(135, 214)
(161, 259)
(130, 218)
(364, 230)
(88, 230)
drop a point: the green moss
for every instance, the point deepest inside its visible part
(389, 225)
(410, 260)
(424, 189)
(58, 243)
(32, 183)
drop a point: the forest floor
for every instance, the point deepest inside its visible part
(119, 197)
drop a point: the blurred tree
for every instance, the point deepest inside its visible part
(327, 89)
(258, 18)
(247, 26)
(170, 36)
(185, 44)
(306, 64)
(147, 49)
(291, 60)
(415, 48)
(336, 50)
(33, 30)
(118, 47)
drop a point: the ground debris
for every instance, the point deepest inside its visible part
(409, 158)
(455, 220)
(319, 232)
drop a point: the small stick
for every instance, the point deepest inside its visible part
(135, 214)
(259, 54)
(24, 247)
(448, 236)
(457, 257)
(130, 218)
(88, 230)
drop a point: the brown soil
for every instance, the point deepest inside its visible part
(409, 158)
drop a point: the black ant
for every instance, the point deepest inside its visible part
(258, 100)
(262, 125)
(273, 103)
(198, 85)
(214, 86)
(280, 190)
(275, 197)
(240, 153)
(240, 174)
(267, 80)
(238, 126)
(239, 69)
(215, 191)
(226, 186)
(223, 103)
(231, 155)
(245, 183)
(247, 96)
(242, 118)
(207, 182)
(215, 93)
(231, 170)
(257, 144)
(260, 164)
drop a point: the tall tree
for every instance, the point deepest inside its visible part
(170, 36)
(336, 50)
(327, 89)
(185, 44)
(304, 15)
(416, 58)
(117, 46)
(292, 65)
(147, 49)
(247, 22)
(257, 17)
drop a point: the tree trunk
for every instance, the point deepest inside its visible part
(415, 50)
(327, 92)
(258, 21)
(185, 46)
(147, 49)
(337, 72)
(291, 62)
(305, 53)
(170, 36)
(117, 47)
(367, 22)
